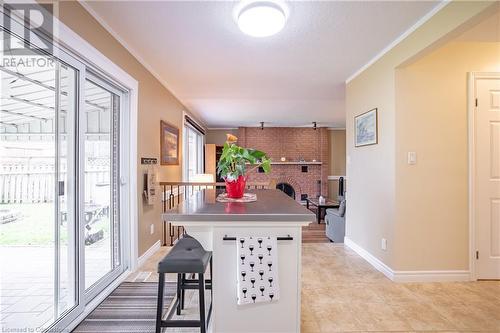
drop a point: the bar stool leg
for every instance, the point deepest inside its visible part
(179, 293)
(201, 288)
(211, 282)
(183, 291)
(159, 308)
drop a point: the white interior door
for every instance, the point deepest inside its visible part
(487, 178)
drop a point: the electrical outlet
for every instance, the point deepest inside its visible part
(383, 244)
(152, 229)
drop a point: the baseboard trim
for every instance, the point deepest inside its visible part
(374, 261)
(146, 255)
(408, 276)
(431, 276)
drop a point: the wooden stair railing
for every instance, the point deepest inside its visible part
(173, 193)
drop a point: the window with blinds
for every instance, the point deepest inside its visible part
(194, 139)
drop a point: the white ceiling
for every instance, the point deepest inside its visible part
(230, 79)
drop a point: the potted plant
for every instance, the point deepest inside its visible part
(232, 165)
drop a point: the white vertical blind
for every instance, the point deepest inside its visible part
(193, 143)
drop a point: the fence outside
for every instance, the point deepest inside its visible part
(31, 180)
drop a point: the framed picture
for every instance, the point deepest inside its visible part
(366, 129)
(169, 144)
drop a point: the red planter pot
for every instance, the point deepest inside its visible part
(236, 188)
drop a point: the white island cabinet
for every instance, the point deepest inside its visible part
(219, 226)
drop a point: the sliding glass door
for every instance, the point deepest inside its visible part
(38, 221)
(61, 236)
(101, 174)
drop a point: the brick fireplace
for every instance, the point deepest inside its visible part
(306, 178)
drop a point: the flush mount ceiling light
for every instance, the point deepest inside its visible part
(261, 18)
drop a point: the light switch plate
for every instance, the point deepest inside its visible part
(383, 244)
(152, 229)
(412, 157)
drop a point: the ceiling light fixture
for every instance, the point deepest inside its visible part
(261, 18)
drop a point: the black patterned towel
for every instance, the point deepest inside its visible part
(257, 270)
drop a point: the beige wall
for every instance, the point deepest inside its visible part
(337, 151)
(373, 191)
(431, 119)
(218, 136)
(155, 103)
(370, 169)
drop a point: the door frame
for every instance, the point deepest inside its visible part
(68, 44)
(471, 115)
(98, 63)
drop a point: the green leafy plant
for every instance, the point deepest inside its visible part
(235, 159)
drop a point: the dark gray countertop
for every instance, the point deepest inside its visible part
(271, 205)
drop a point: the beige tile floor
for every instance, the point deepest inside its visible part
(341, 292)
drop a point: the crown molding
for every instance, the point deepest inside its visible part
(398, 40)
(136, 55)
(221, 128)
(308, 126)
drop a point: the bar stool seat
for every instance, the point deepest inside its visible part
(186, 257)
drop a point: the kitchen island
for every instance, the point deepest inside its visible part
(218, 226)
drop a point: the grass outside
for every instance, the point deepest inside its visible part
(35, 226)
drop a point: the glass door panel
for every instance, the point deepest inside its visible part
(101, 224)
(60, 232)
(66, 228)
(37, 222)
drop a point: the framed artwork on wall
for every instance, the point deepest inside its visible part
(169, 144)
(366, 129)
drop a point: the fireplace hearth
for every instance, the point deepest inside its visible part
(304, 171)
(287, 189)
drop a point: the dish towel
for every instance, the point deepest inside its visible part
(257, 270)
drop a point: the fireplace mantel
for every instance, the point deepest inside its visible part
(305, 150)
(297, 163)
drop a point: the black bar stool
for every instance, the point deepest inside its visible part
(187, 257)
